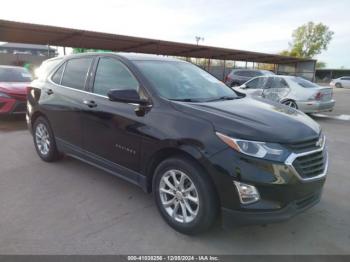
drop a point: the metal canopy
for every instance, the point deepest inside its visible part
(11, 31)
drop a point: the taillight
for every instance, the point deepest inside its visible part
(318, 96)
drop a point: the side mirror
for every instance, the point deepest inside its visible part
(244, 86)
(126, 96)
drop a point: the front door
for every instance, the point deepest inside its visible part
(111, 129)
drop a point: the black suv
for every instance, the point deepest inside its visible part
(176, 131)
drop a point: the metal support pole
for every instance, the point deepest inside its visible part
(224, 71)
(64, 50)
(246, 64)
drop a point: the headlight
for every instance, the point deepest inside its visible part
(257, 149)
(4, 95)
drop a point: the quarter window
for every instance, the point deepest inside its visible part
(56, 78)
(76, 72)
(112, 74)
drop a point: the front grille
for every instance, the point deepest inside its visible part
(305, 145)
(311, 165)
(19, 97)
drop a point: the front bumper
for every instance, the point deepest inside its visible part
(12, 106)
(316, 106)
(231, 218)
(283, 192)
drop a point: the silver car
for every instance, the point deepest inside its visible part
(292, 91)
(341, 82)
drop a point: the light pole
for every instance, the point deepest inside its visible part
(199, 38)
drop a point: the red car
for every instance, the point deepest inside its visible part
(14, 81)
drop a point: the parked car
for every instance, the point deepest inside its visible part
(341, 82)
(13, 89)
(238, 77)
(292, 91)
(176, 131)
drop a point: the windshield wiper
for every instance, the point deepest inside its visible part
(185, 100)
(223, 98)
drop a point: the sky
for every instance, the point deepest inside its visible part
(263, 26)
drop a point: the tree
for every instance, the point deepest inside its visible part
(309, 40)
(321, 64)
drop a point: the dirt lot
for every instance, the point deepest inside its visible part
(69, 207)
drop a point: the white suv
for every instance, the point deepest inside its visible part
(341, 82)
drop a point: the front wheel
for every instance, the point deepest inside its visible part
(185, 196)
(338, 85)
(291, 104)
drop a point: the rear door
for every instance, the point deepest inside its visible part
(275, 89)
(63, 99)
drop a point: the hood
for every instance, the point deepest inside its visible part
(16, 88)
(254, 119)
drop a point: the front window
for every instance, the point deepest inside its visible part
(14, 74)
(183, 81)
(303, 82)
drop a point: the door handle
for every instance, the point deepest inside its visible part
(49, 92)
(90, 103)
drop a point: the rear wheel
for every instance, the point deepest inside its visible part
(338, 85)
(44, 140)
(185, 196)
(291, 104)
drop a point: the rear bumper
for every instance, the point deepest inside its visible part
(316, 106)
(231, 218)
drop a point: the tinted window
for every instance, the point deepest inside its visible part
(181, 80)
(277, 82)
(112, 74)
(14, 74)
(56, 78)
(345, 78)
(76, 72)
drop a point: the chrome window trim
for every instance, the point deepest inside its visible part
(86, 92)
(289, 163)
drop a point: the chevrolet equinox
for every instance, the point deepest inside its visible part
(202, 149)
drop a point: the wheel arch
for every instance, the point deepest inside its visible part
(188, 152)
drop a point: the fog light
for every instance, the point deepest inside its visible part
(247, 193)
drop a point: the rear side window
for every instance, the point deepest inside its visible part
(14, 74)
(112, 74)
(46, 67)
(57, 76)
(75, 73)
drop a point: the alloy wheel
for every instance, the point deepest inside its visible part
(291, 104)
(42, 139)
(179, 196)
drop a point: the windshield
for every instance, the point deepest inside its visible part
(303, 82)
(184, 81)
(13, 74)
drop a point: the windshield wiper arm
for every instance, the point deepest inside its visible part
(223, 98)
(185, 100)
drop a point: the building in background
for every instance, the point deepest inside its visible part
(27, 55)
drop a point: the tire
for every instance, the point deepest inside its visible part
(338, 85)
(44, 140)
(200, 215)
(290, 103)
